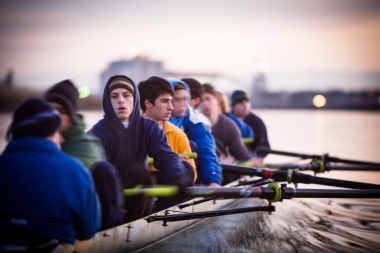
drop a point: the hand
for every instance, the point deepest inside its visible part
(212, 184)
(226, 159)
(257, 161)
(185, 158)
(183, 183)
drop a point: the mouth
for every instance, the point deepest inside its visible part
(121, 109)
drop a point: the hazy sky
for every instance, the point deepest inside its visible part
(304, 44)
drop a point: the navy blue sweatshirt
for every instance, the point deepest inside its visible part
(127, 147)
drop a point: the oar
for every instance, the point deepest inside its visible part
(192, 155)
(157, 191)
(320, 167)
(274, 192)
(248, 140)
(325, 157)
(292, 176)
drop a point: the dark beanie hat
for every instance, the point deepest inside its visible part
(65, 94)
(121, 82)
(237, 96)
(34, 118)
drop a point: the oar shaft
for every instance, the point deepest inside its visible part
(331, 193)
(296, 177)
(308, 156)
(328, 167)
(308, 179)
(286, 192)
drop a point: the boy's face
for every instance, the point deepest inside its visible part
(209, 105)
(242, 108)
(122, 103)
(180, 100)
(162, 108)
(65, 118)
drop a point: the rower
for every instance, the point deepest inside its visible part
(241, 108)
(156, 96)
(184, 117)
(47, 197)
(227, 135)
(64, 97)
(128, 138)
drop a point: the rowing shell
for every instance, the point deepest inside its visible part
(141, 233)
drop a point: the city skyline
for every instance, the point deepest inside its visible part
(327, 44)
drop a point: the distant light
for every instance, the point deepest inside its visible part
(84, 91)
(136, 52)
(264, 67)
(319, 101)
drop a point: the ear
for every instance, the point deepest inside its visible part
(197, 100)
(147, 103)
(194, 102)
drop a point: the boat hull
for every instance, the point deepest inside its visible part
(141, 233)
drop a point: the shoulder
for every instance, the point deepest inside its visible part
(171, 128)
(254, 118)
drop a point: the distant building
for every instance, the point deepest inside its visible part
(259, 84)
(138, 69)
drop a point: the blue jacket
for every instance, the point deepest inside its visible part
(245, 129)
(127, 147)
(196, 131)
(45, 194)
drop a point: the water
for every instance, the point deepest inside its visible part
(298, 225)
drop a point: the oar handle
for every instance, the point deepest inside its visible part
(192, 155)
(248, 140)
(158, 191)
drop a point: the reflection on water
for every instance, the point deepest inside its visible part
(307, 225)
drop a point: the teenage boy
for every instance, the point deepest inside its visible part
(128, 138)
(46, 196)
(184, 117)
(64, 97)
(156, 96)
(241, 107)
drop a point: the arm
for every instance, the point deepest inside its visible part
(211, 172)
(89, 216)
(235, 143)
(164, 158)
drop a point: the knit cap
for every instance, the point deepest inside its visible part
(121, 82)
(34, 118)
(237, 96)
(65, 94)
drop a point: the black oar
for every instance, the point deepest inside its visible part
(321, 167)
(272, 193)
(277, 193)
(325, 157)
(207, 214)
(291, 176)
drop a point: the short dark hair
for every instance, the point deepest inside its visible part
(153, 87)
(208, 88)
(195, 87)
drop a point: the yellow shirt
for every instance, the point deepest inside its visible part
(178, 141)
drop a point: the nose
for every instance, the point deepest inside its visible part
(171, 106)
(120, 99)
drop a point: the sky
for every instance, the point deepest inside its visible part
(299, 44)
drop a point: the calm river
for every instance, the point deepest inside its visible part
(298, 225)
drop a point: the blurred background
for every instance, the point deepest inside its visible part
(284, 53)
(311, 67)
